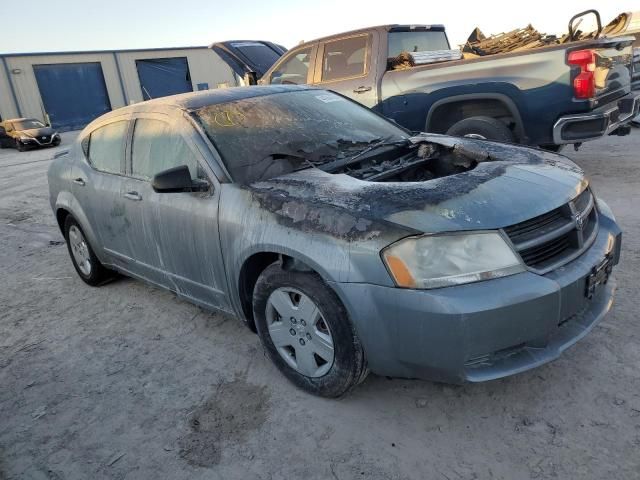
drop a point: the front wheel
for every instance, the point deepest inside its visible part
(20, 146)
(307, 333)
(484, 128)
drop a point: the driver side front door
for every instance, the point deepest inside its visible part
(181, 229)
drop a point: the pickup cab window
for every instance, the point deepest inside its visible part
(294, 70)
(344, 58)
(416, 41)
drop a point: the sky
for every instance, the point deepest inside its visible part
(70, 25)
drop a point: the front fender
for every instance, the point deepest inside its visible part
(250, 224)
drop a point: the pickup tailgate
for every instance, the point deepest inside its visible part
(613, 67)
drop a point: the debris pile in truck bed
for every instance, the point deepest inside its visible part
(528, 37)
(513, 41)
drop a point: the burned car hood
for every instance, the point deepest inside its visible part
(516, 184)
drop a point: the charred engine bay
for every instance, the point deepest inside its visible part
(415, 162)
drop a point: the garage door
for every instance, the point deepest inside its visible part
(160, 77)
(73, 93)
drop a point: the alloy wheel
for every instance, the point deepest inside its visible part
(80, 250)
(299, 332)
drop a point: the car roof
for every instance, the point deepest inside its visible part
(194, 100)
(395, 27)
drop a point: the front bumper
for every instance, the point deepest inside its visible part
(485, 330)
(602, 121)
(39, 142)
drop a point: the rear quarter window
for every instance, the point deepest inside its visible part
(106, 147)
(417, 41)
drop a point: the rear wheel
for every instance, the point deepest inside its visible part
(306, 331)
(91, 271)
(484, 128)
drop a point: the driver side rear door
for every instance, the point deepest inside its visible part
(348, 66)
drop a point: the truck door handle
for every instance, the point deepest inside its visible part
(361, 89)
(79, 181)
(135, 196)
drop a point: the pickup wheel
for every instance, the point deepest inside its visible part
(484, 128)
(306, 332)
(20, 146)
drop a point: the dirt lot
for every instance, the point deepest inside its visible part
(126, 381)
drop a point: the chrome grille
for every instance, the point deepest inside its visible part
(556, 237)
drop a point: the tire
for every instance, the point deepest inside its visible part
(486, 128)
(92, 273)
(328, 324)
(20, 147)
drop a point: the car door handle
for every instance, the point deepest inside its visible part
(135, 196)
(361, 89)
(79, 181)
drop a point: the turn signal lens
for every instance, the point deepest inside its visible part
(400, 272)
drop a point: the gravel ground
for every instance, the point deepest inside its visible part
(127, 381)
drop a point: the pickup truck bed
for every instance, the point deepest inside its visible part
(549, 96)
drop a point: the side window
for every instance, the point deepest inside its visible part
(106, 147)
(157, 148)
(344, 58)
(294, 70)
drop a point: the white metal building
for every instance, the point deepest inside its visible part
(72, 88)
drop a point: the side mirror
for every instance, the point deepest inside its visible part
(250, 78)
(177, 179)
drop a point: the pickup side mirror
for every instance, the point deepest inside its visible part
(177, 179)
(250, 78)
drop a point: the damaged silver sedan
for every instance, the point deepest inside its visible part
(346, 242)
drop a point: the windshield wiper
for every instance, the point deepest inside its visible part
(345, 162)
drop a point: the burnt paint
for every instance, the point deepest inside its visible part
(312, 200)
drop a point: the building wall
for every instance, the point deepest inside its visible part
(118, 68)
(204, 65)
(26, 87)
(7, 105)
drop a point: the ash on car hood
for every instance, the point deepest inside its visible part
(517, 184)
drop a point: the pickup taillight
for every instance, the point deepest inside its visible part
(584, 85)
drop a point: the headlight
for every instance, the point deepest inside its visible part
(434, 261)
